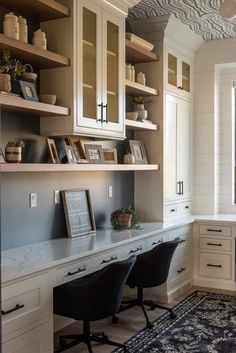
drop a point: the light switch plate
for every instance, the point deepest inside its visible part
(57, 197)
(33, 199)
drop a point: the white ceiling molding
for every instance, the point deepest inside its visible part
(122, 5)
(202, 16)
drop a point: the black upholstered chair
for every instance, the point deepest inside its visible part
(92, 298)
(151, 269)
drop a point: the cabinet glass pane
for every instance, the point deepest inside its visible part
(172, 70)
(89, 64)
(186, 76)
(112, 72)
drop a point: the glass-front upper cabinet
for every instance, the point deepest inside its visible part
(100, 60)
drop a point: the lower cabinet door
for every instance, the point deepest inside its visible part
(38, 340)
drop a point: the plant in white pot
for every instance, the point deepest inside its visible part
(13, 151)
(9, 69)
(140, 103)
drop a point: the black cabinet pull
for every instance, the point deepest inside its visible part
(77, 271)
(157, 242)
(212, 265)
(181, 270)
(172, 210)
(214, 230)
(214, 244)
(17, 307)
(109, 260)
(186, 207)
(136, 250)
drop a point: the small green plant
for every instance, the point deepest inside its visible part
(119, 224)
(20, 143)
(10, 66)
(142, 100)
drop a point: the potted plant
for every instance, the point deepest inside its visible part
(140, 103)
(9, 69)
(124, 218)
(13, 151)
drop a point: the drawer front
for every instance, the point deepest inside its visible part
(180, 271)
(170, 211)
(76, 270)
(134, 249)
(215, 265)
(107, 258)
(215, 244)
(25, 302)
(212, 229)
(154, 241)
(38, 340)
(185, 208)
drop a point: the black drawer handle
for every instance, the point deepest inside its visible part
(181, 270)
(157, 242)
(172, 210)
(77, 271)
(214, 230)
(109, 260)
(182, 241)
(214, 244)
(136, 250)
(212, 265)
(186, 207)
(17, 307)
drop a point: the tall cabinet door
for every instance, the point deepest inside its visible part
(113, 72)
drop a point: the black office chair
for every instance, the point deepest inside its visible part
(92, 298)
(150, 270)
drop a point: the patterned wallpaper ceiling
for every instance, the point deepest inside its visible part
(201, 15)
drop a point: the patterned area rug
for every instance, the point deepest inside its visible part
(205, 323)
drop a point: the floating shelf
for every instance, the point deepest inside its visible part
(134, 89)
(136, 54)
(29, 53)
(44, 10)
(139, 125)
(31, 167)
(11, 103)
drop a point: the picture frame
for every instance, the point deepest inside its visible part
(71, 158)
(2, 159)
(78, 212)
(28, 90)
(77, 147)
(94, 153)
(53, 151)
(138, 151)
(110, 155)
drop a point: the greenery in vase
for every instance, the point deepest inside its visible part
(124, 210)
(10, 66)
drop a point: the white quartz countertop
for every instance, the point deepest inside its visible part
(25, 260)
(217, 218)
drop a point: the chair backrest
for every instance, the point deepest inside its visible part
(152, 268)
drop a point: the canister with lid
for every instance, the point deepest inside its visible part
(39, 39)
(11, 25)
(23, 29)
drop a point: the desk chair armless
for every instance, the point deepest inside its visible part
(151, 269)
(92, 298)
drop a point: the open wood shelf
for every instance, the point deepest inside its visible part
(31, 167)
(44, 10)
(29, 53)
(134, 89)
(136, 54)
(11, 103)
(139, 125)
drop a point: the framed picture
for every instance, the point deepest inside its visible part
(110, 155)
(53, 151)
(78, 212)
(77, 147)
(94, 153)
(71, 158)
(2, 160)
(28, 90)
(138, 151)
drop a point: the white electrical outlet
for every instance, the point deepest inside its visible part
(57, 197)
(110, 192)
(33, 199)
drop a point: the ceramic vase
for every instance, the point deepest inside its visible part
(5, 83)
(142, 112)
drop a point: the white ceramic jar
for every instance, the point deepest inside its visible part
(23, 29)
(132, 73)
(128, 71)
(11, 25)
(140, 78)
(39, 39)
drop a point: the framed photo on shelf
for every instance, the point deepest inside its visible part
(138, 151)
(94, 153)
(77, 147)
(71, 158)
(28, 90)
(2, 159)
(53, 151)
(78, 212)
(110, 155)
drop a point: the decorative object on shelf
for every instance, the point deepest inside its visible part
(94, 153)
(29, 75)
(2, 160)
(23, 29)
(48, 98)
(29, 91)
(13, 151)
(11, 26)
(71, 157)
(124, 218)
(53, 151)
(129, 158)
(39, 39)
(110, 155)
(139, 41)
(77, 147)
(132, 73)
(9, 69)
(131, 115)
(5, 83)
(138, 151)
(78, 212)
(140, 103)
(141, 78)
(128, 72)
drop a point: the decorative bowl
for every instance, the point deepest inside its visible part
(131, 115)
(48, 98)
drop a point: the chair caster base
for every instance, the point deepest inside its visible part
(149, 325)
(172, 315)
(115, 319)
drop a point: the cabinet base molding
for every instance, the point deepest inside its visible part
(216, 284)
